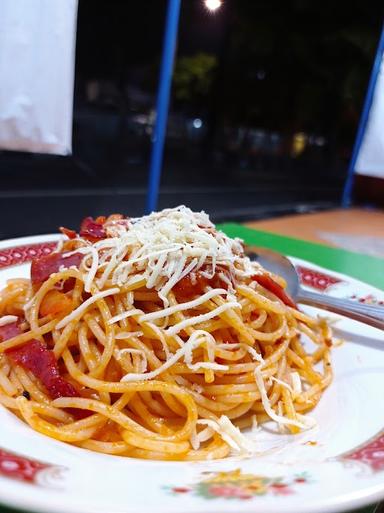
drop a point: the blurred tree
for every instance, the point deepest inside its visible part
(282, 65)
(192, 78)
(297, 65)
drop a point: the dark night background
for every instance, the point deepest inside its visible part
(265, 103)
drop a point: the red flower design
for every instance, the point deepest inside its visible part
(19, 467)
(372, 454)
(316, 279)
(229, 491)
(281, 489)
(181, 489)
(22, 254)
(237, 485)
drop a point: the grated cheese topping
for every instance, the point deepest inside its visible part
(161, 249)
(201, 318)
(297, 386)
(7, 319)
(136, 357)
(278, 417)
(230, 434)
(182, 306)
(83, 307)
(197, 338)
(282, 383)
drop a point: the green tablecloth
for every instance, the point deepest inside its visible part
(363, 267)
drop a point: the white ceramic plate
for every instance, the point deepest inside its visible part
(338, 466)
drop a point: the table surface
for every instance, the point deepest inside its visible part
(349, 229)
(365, 267)
(348, 241)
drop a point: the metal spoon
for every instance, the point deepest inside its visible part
(280, 265)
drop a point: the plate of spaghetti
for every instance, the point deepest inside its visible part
(149, 363)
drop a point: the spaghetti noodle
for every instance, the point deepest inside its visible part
(156, 337)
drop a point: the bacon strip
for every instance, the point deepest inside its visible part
(42, 268)
(268, 283)
(35, 357)
(9, 331)
(39, 360)
(188, 287)
(93, 230)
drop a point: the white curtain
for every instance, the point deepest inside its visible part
(37, 55)
(370, 160)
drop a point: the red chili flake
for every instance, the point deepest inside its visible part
(180, 489)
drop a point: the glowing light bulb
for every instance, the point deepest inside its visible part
(213, 5)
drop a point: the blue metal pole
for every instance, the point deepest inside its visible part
(162, 103)
(347, 193)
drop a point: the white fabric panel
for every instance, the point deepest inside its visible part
(370, 160)
(37, 56)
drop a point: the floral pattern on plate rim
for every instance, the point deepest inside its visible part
(244, 486)
(369, 454)
(238, 485)
(17, 255)
(27, 470)
(316, 279)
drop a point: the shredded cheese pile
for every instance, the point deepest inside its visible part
(161, 248)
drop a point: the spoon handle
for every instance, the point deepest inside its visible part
(369, 314)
